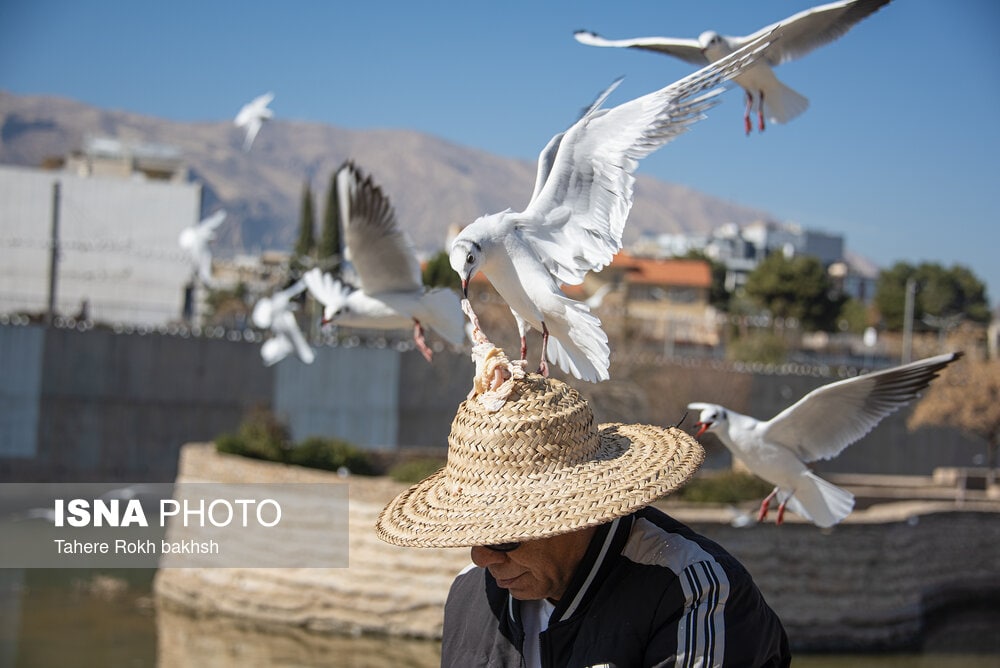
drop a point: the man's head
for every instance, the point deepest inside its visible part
(535, 569)
(536, 468)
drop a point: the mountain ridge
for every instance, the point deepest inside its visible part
(432, 183)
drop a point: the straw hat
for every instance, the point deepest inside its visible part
(536, 467)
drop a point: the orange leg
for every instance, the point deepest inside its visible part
(543, 366)
(418, 338)
(762, 514)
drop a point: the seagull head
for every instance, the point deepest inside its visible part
(336, 301)
(711, 417)
(466, 257)
(714, 45)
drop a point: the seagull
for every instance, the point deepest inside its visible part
(195, 239)
(252, 117)
(819, 426)
(390, 292)
(796, 36)
(276, 313)
(575, 218)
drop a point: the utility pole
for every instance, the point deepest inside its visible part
(911, 291)
(53, 255)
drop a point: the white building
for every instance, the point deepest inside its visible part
(117, 259)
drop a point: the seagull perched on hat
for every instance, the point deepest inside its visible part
(391, 293)
(797, 35)
(818, 426)
(575, 218)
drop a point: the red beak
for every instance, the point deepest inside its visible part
(465, 287)
(702, 428)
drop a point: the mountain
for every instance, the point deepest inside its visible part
(432, 183)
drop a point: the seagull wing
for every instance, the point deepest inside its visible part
(688, 50)
(576, 219)
(831, 417)
(548, 155)
(380, 251)
(812, 28)
(207, 225)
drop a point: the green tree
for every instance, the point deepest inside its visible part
(330, 244)
(718, 296)
(940, 293)
(306, 242)
(796, 287)
(437, 272)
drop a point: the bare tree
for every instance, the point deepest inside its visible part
(967, 398)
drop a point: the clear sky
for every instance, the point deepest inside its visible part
(899, 151)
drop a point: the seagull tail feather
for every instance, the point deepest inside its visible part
(821, 502)
(578, 345)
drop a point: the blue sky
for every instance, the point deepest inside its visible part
(898, 151)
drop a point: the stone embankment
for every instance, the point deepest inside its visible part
(893, 576)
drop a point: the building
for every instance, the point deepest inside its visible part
(113, 220)
(659, 300)
(742, 249)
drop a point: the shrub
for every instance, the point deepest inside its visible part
(260, 436)
(724, 487)
(331, 454)
(416, 469)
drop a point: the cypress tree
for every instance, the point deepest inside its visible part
(306, 243)
(330, 248)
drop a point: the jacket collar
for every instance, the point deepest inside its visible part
(605, 547)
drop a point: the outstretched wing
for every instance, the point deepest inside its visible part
(828, 419)
(548, 155)
(688, 50)
(812, 28)
(380, 251)
(576, 219)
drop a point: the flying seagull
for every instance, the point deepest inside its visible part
(276, 313)
(575, 218)
(195, 239)
(796, 36)
(252, 117)
(819, 426)
(390, 292)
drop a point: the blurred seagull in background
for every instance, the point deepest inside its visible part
(195, 239)
(276, 313)
(796, 36)
(390, 292)
(252, 117)
(575, 218)
(819, 426)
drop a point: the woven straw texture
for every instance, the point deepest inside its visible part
(537, 467)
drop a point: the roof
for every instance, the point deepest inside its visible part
(673, 272)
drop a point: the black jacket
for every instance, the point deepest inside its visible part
(648, 592)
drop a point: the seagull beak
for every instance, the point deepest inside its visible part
(465, 287)
(702, 428)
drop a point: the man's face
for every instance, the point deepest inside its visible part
(537, 569)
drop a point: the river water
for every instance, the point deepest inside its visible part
(92, 619)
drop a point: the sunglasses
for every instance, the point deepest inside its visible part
(503, 547)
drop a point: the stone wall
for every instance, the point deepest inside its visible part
(885, 579)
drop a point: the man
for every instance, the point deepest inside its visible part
(570, 566)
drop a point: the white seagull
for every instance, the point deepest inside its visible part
(819, 426)
(195, 239)
(252, 117)
(796, 36)
(391, 293)
(276, 313)
(575, 218)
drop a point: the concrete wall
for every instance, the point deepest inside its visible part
(100, 405)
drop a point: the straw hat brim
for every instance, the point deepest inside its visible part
(635, 465)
